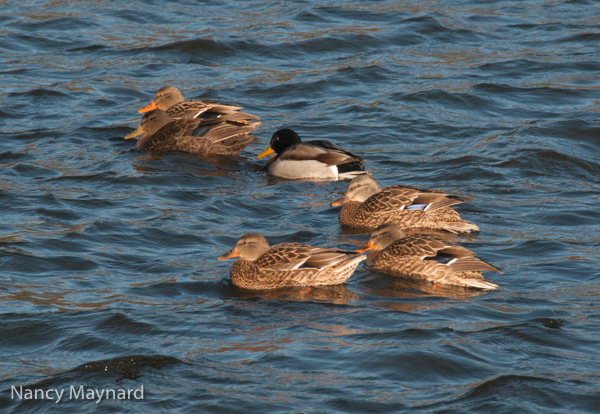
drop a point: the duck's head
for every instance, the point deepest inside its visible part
(249, 247)
(359, 189)
(281, 140)
(382, 237)
(151, 122)
(165, 97)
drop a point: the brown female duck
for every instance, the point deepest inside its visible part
(170, 99)
(262, 267)
(367, 205)
(424, 257)
(223, 135)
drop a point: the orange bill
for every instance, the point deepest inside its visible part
(341, 201)
(229, 255)
(148, 107)
(266, 152)
(368, 246)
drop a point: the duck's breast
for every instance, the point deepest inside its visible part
(301, 169)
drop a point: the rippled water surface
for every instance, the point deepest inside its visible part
(108, 271)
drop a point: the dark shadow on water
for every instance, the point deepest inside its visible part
(438, 234)
(397, 287)
(223, 165)
(338, 294)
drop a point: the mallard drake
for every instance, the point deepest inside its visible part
(223, 135)
(367, 205)
(424, 257)
(295, 159)
(170, 99)
(262, 267)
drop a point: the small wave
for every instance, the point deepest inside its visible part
(428, 29)
(67, 23)
(551, 162)
(536, 96)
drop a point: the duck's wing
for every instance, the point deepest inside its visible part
(327, 257)
(436, 199)
(196, 108)
(416, 247)
(166, 137)
(188, 109)
(458, 258)
(322, 151)
(289, 256)
(284, 256)
(226, 131)
(472, 264)
(331, 147)
(399, 197)
(226, 135)
(389, 199)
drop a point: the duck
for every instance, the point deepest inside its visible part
(425, 257)
(366, 205)
(319, 159)
(264, 267)
(170, 99)
(223, 135)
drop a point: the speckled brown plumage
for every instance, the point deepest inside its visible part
(224, 135)
(392, 205)
(425, 257)
(195, 108)
(289, 264)
(170, 99)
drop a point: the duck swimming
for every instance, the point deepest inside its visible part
(424, 257)
(170, 99)
(262, 267)
(367, 205)
(223, 135)
(295, 159)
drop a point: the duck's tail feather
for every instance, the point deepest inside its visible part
(444, 202)
(472, 264)
(479, 284)
(459, 226)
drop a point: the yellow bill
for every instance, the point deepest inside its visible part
(138, 131)
(266, 152)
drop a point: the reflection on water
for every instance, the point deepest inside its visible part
(412, 288)
(338, 294)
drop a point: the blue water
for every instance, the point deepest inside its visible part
(108, 270)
